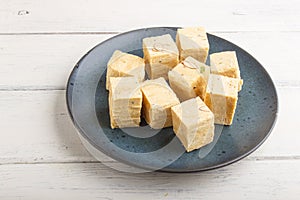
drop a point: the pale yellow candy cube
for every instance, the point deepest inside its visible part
(192, 41)
(158, 98)
(125, 102)
(189, 79)
(124, 64)
(161, 55)
(193, 123)
(221, 97)
(226, 63)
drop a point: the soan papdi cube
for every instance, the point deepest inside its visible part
(193, 123)
(161, 55)
(221, 97)
(124, 64)
(226, 63)
(192, 41)
(189, 79)
(125, 102)
(158, 98)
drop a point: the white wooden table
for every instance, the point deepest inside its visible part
(41, 156)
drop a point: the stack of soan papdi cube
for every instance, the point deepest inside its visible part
(197, 96)
(124, 74)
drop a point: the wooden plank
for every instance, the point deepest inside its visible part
(31, 16)
(36, 128)
(274, 50)
(50, 58)
(285, 130)
(250, 180)
(47, 58)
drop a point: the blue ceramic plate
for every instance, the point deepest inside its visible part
(88, 107)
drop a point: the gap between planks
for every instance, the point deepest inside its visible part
(119, 32)
(31, 88)
(251, 158)
(7, 88)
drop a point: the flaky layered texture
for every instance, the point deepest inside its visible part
(125, 102)
(158, 98)
(226, 63)
(221, 97)
(123, 65)
(192, 41)
(161, 55)
(189, 79)
(193, 123)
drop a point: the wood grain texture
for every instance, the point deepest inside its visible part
(41, 61)
(32, 16)
(36, 128)
(41, 156)
(244, 180)
(50, 58)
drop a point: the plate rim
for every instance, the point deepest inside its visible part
(81, 132)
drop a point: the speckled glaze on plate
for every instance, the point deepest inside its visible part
(88, 107)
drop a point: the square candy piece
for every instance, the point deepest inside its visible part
(125, 102)
(158, 98)
(221, 97)
(189, 79)
(193, 123)
(226, 63)
(161, 55)
(193, 42)
(124, 64)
